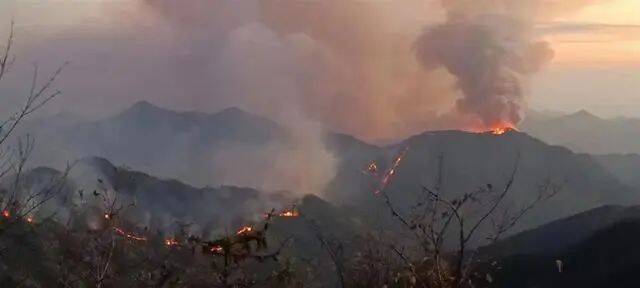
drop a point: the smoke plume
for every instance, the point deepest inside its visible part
(345, 66)
(490, 54)
(489, 47)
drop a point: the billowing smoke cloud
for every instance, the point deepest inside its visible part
(490, 55)
(489, 47)
(242, 62)
(369, 83)
(350, 62)
(346, 66)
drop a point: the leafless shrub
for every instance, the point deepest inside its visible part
(16, 204)
(436, 221)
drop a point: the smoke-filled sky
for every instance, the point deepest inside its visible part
(378, 69)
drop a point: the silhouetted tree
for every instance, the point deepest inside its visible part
(444, 228)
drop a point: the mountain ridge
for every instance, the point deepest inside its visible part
(585, 132)
(470, 160)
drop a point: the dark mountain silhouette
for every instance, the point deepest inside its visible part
(472, 160)
(181, 144)
(561, 234)
(154, 202)
(469, 160)
(604, 253)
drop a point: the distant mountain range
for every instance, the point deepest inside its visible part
(183, 145)
(612, 142)
(586, 133)
(159, 141)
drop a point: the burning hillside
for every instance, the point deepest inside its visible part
(384, 179)
(502, 129)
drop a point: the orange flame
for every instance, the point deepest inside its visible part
(6, 213)
(216, 249)
(171, 242)
(289, 213)
(499, 131)
(496, 129)
(372, 169)
(502, 130)
(29, 219)
(244, 230)
(388, 176)
(127, 235)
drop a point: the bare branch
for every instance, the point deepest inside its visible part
(546, 191)
(5, 60)
(497, 201)
(37, 98)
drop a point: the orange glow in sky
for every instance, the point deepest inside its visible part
(605, 34)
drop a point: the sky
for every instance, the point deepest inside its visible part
(597, 63)
(354, 62)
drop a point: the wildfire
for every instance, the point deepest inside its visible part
(6, 213)
(128, 235)
(171, 242)
(244, 230)
(216, 249)
(290, 213)
(287, 213)
(501, 130)
(372, 169)
(29, 219)
(497, 129)
(388, 175)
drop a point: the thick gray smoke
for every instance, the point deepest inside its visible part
(490, 55)
(338, 65)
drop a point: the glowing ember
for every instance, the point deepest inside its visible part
(29, 219)
(372, 169)
(387, 177)
(244, 230)
(171, 242)
(497, 129)
(289, 213)
(107, 216)
(128, 235)
(216, 249)
(500, 130)
(6, 213)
